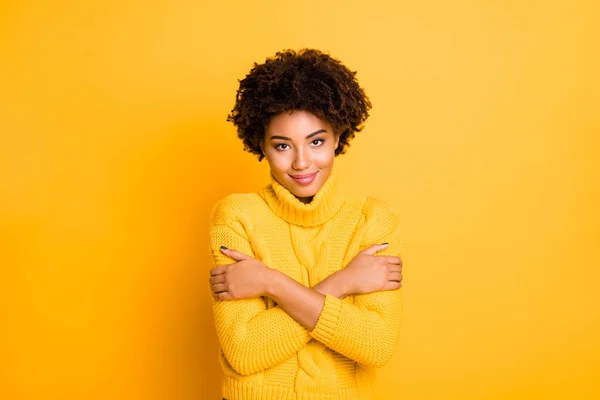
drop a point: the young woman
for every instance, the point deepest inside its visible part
(305, 279)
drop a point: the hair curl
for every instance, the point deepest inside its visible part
(307, 80)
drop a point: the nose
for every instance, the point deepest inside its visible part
(301, 159)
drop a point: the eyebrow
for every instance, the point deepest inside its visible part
(307, 137)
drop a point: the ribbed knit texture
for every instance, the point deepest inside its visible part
(265, 354)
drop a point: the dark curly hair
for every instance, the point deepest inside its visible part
(307, 80)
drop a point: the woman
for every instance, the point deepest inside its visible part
(305, 279)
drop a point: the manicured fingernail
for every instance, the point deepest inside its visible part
(384, 243)
(224, 248)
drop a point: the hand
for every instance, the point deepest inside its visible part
(246, 278)
(368, 273)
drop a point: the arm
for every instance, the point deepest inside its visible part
(241, 323)
(245, 328)
(366, 331)
(252, 337)
(249, 277)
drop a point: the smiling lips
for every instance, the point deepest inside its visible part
(304, 179)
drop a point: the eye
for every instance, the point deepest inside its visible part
(278, 146)
(318, 142)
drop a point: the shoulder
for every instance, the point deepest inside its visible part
(371, 207)
(375, 207)
(236, 206)
(379, 216)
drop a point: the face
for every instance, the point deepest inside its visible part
(300, 149)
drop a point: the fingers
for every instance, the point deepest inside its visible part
(222, 296)
(392, 285)
(392, 259)
(219, 287)
(236, 255)
(219, 290)
(375, 248)
(218, 283)
(394, 268)
(217, 279)
(219, 270)
(395, 276)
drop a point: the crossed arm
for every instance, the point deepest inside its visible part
(246, 327)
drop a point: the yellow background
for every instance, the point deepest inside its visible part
(484, 136)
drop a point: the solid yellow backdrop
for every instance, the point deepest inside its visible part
(484, 137)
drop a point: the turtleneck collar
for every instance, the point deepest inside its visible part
(324, 205)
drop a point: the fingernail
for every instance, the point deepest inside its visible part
(224, 248)
(384, 243)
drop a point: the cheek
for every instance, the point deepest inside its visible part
(278, 160)
(324, 157)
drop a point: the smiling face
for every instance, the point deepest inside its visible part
(300, 149)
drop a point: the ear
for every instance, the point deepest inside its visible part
(262, 147)
(337, 140)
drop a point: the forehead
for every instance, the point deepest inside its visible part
(296, 124)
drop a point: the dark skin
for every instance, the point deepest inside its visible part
(301, 143)
(307, 79)
(249, 277)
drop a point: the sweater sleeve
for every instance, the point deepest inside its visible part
(252, 337)
(367, 330)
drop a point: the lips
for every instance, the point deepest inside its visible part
(304, 179)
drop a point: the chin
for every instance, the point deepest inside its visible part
(304, 191)
(307, 191)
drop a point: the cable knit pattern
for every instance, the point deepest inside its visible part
(265, 354)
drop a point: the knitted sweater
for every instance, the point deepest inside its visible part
(265, 354)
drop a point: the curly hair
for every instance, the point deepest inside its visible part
(307, 80)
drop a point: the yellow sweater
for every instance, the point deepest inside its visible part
(265, 354)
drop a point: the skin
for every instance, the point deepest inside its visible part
(301, 143)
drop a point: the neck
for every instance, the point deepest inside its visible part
(305, 200)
